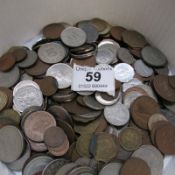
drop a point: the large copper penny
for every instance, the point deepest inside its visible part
(7, 61)
(116, 32)
(142, 109)
(136, 166)
(36, 124)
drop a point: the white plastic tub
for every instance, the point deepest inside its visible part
(21, 20)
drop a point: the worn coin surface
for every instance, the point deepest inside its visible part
(3, 100)
(116, 32)
(171, 80)
(37, 146)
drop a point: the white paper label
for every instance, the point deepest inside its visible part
(99, 78)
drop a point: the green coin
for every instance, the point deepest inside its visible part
(3, 100)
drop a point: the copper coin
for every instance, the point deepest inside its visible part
(130, 138)
(171, 80)
(48, 85)
(20, 53)
(142, 109)
(136, 166)
(7, 61)
(136, 52)
(116, 32)
(9, 94)
(53, 31)
(36, 124)
(39, 68)
(165, 139)
(37, 146)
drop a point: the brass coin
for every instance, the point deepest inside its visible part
(130, 138)
(3, 100)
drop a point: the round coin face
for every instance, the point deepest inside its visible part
(62, 73)
(73, 37)
(117, 114)
(52, 52)
(123, 72)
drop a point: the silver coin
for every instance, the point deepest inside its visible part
(125, 56)
(84, 93)
(132, 83)
(36, 164)
(73, 36)
(90, 30)
(29, 60)
(8, 79)
(26, 97)
(142, 69)
(5, 170)
(117, 114)
(65, 169)
(62, 73)
(124, 72)
(23, 84)
(152, 156)
(111, 169)
(52, 52)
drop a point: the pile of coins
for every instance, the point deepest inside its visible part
(48, 129)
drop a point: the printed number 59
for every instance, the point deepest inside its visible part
(96, 76)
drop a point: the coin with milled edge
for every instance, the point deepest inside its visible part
(123, 72)
(117, 114)
(63, 74)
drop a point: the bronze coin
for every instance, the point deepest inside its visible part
(116, 32)
(36, 124)
(39, 68)
(7, 61)
(142, 109)
(53, 31)
(9, 94)
(163, 88)
(20, 53)
(171, 80)
(165, 139)
(48, 85)
(136, 166)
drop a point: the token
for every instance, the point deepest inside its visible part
(36, 124)
(7, 61)
(52, 53)
(20, 53)
(142, 69)
(116, 32)
(142, 109)
(153, 56)
(123, 72)
(10, 78)
(136, 165)
(117, 114)
(3, 100)
(73, 37)
(130, 139)
(62, 73)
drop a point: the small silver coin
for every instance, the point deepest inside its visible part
(29, 60)
(26, 97)
(152, 156)
(62, 73)
(117, 114)
(5, 170)
(124, 72)
(10, 78)
(142, 69)
(73, 36)
(52, 52)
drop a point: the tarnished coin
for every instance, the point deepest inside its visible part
(54, 166)
(5, 170)
(116, 32)
(142, 109)
(30, 59)
(52, 52)
(136, 165)
(62, 73)
(130, 138)
(36, 165)
(152, 156)
(123, 72)
(153, 56)
(134, 38)
(73, 37)
(10, 78)
(125, 56)
(7, 61)
(11, 143)
(111, 169)
(27, 96)
(142, 69)
(36, 124)
(117, 114)
(3, 100)
(20, 53)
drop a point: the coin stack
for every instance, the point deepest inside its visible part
(48, 129)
